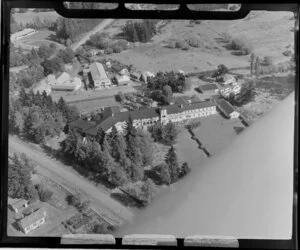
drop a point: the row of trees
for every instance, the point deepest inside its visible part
(140, 31)
(37, 116)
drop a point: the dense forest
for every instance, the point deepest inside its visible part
(37, 116)
(140, 31)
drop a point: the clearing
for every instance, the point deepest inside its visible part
(268, 32)
(29, 16)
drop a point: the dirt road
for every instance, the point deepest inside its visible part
(99, 197)
(87, 35)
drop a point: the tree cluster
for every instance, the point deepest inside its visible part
(170, 171)
(71, 28)
(37, 116)
(176, 81)
(142, 191)
(114, 157)
(19, 178)
(140, 31)
(39, 24)
(166, 134)
(102, 41)
(246, 95)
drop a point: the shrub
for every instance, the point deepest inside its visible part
(44, 194)
(268, 61)
(181, 44)
(287, 53)
(193, 41)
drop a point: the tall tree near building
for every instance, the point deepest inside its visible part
(19, 179)
(172, 162)
(100, 135)
(252, 63)
(257, 67)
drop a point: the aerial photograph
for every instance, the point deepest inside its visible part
(126, 126)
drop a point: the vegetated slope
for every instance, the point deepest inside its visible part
(29, 16)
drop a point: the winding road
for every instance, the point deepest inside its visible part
(100, 198)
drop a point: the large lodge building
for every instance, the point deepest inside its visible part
(146, 117)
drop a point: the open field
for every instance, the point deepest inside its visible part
(29, 16)
(37, 39)
(188, 151)
(268, 32)
(216, 132)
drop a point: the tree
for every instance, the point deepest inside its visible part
(163, 172)
(168, 94)
(67, 55)
(45, 51)
(252, 63)
(84, 205)
(53, 66)
(169, 133)
(184, 170)
(120, 97)
(257, 67)
(172, 162)
(44, 194)
(19, 179)
(146, 147)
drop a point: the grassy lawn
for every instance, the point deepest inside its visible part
(216, 132)
(188, 151)
(29, 16)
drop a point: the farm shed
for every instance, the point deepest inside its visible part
(208, 88)
(17, 205)
(227, 109)
(122, 80)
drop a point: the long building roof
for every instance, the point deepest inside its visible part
(35, 216)
(97, 70)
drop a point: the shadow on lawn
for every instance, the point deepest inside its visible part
(126, 200)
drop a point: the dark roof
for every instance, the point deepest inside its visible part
(172, 109)
(80, 123)
(225, 106)
(181, 101)
(208, 87)
(108, 111)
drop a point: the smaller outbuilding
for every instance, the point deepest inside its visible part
(135, 76)
(122, 80)
(226, 109)
(17, 205)
(145, 75)
(211, 88)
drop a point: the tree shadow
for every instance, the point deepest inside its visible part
(237, 53)
(152, 174)
(126, 200)
(238, 130)
(120, 35)
(15, 226)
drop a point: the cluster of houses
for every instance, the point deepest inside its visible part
(21, 34)
(29, 217)
(227, 85)
(63, 82)
(182, 110)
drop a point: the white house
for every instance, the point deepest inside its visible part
(33, 221)
(99, 76)
(122, 80)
